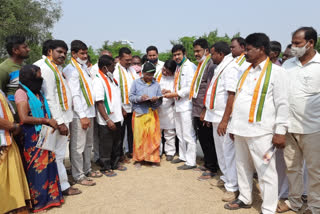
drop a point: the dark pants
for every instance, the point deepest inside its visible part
(109, 146)
(127, 124)
(205, 136)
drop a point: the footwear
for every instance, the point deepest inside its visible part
(307, 211)
(121, 168)
(137, 165)
(236, 204)
(185, 167)
(71, 191)
(94, 174)
(230, 196)
(282, 207)
(218, 183)
(206, 175)
(169, 158)
(86, 181)
(109, 173)
(200, 169)
(177, 161)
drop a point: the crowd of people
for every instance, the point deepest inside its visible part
(254, 114)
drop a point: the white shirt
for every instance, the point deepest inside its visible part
(94, 71)
(49, 88)
(40, 61)
(187, 72)
(275, 110)
(131, 75)
(98, 88)
(166, 110)
(227, 82)
(80, 106)
(304, 95)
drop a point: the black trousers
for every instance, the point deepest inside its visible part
(127, 124)
(110, 146)
(205, 136)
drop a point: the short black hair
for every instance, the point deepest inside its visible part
(144, 59)
(137, 57)
(203, 43)
(221, 47)
(45, 47)
(259, 40)
(240, 40)
(309, 33)
(105, 60)
(178, 47)
(152, 48)
(123, 51)
(58, 44)
(289, 46)
(14, 41)
(275, 46)
(77, 45)
(171, 65)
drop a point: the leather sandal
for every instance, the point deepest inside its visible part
(94, 174)
(71, 191)
(86, 181)
(236, 204)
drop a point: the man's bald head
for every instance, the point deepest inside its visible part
(105, 52)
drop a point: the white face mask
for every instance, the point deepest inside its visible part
(203, 57)
(82, 62)
(299, 51)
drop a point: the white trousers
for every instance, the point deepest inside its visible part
(80, 148)
(60, 151)
(170, 143)
(226, 158)
(249, 155)
(187, 137)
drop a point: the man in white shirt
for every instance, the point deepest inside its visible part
(183, 108)
(259, 124)
(125, 77)
(109, 116)
(57, 92)
(82, 126)
(303, 72)
(93, 73)
(166, 110)
(153, 57)
(218, 102)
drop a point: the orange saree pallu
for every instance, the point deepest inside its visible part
(146, 136)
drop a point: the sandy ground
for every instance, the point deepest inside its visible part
(147, 190)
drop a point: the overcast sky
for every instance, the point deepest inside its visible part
(147, 22)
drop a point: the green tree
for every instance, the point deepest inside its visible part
(93, 55)
(115, 46)
(31, 18)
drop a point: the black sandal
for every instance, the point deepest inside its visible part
(236, 202)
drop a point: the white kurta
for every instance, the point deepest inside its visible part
(166, 110)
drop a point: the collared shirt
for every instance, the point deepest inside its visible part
(130, 77)
(304, 95)
(166, 110)
(9, 78)
(99, 90)
(94, 70)
(139, 88)
(187, 72)
(197, 103)
(49, 88)
(275, 109)
(80, 106)
(227, 82)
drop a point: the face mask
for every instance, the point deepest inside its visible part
(203, 57)
(137, 68)
(82, 62)
(299, 51)
(35, 87)
(153, 61)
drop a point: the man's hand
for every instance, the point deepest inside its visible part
(279, 141)
(154, 99)
(111, 125)
(53, 123)
(222, 128)
(171, 95)
(63, 129)
(124, 113)
(144, 97)
(202, 114)
(165, 91)
(85, 123)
